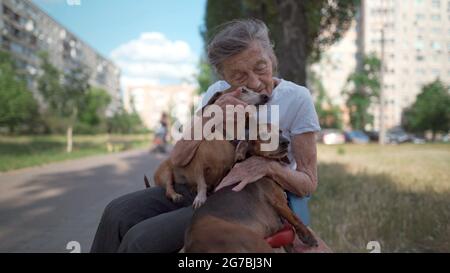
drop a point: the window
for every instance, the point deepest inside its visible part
(436, 3)
(420, 58)
(420, 16)
(436, 30)
(19, 49)
(420, 71)
(436, 17)
(436, 46)
(419, 45)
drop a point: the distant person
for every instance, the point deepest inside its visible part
(160, 140)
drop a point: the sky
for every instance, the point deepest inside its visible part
(152, 41)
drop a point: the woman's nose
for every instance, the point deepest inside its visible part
(253, 82)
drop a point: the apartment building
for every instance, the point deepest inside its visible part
(25, 30)
(416, 51)
(149, 101)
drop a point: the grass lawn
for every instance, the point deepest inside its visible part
(398, 195)
(25, 151)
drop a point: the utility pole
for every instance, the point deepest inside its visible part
(382, 135)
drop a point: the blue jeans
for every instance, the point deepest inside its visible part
(300, 207)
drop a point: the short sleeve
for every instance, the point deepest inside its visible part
(304, 113)
(212, 89)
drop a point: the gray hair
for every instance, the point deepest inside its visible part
(236, 36)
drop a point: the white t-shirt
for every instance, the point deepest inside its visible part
(297, 113)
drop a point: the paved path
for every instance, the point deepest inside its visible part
(43, 208)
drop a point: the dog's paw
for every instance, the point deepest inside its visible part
(198, 201)
(176, 197)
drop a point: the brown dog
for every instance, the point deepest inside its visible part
(239, 221)
(207, 163)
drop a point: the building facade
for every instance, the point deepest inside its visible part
(25, 30)
(150, 101)
(416, 51)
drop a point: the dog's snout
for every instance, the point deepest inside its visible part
(265, 98)
(284, 142)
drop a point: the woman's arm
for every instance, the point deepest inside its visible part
(303, 180)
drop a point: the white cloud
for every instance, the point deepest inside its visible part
(152, 58)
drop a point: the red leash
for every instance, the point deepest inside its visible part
(283, 237)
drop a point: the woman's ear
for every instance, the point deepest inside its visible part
(241, 151)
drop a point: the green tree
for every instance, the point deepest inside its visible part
(123, 122)
(205, 77)
(17, 104)
(362, 88)
(92, 113)
(300, 29)
(431, 110)
(63, 95)
(329, 114)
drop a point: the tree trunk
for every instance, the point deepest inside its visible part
(69, 139)
(11, 129)
(71, 121)
(292, 47)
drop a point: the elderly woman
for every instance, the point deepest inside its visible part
(241, 53)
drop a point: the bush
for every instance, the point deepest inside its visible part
(123, 122)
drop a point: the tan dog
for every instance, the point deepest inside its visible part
(231, 222)
(207, 163)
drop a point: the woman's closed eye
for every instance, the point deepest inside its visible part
(261, 68)
(240, 77)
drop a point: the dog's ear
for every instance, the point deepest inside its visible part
(183, 152)
(241, 151)
(286, 160)
(147, 184)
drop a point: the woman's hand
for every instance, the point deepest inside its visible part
(246, 172)
(230, 98)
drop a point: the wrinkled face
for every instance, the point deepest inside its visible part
(251, 68)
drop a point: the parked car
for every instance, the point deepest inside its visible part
(397, 135)
(417, 139)
(356, 136)
(331, 136)
(373, 135)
